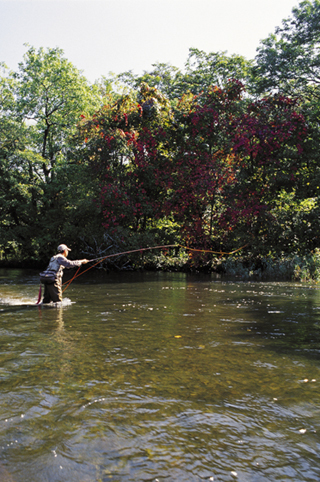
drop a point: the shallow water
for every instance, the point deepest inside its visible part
(159, 377)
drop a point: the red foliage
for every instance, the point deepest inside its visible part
(212, 165)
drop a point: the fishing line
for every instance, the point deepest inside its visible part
(117, 254)
(102, 258)
(214, 252)
(70, 281)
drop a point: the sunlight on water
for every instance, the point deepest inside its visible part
(168, 377)
(26, 301)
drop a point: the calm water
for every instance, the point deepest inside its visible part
(159, 377)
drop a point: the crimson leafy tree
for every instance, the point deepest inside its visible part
(128, 149)
(212, 165)
(269, 136)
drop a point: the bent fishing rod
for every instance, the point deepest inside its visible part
(140, 250)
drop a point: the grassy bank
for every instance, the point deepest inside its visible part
(293, 268)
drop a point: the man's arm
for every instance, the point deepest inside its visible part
(72, 264)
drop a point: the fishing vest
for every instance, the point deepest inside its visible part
(53, 272)
(54, 264)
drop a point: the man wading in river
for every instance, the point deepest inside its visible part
(52, 289)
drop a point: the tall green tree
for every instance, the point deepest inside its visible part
(289, 59)
(202, 70)
(51, 94)
(43, 103)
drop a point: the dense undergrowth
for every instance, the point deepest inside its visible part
(293, 268)
(302, 268)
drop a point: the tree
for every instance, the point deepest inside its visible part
(44, 100)
(269, 136)
(288, 61)
(203, 70)
(212, 165)
(203, 163)
(50, 95)
(164, 77)
(127, 147)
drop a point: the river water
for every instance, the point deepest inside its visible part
(159, 377)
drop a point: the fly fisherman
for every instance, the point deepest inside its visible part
(52, 290)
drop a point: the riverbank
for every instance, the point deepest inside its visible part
(246, 267)
(294, 268)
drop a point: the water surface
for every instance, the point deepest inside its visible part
(159, 377)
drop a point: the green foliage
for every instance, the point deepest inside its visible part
(281, 267)
(294, 223)
(202, 71)
(50, 95)
(289, 60)
(41, 106)
(308, 267)
(167, 261)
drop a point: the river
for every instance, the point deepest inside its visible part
(159, 377)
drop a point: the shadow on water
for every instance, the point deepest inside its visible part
(286, 316)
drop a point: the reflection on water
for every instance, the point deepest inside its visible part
(164, 377)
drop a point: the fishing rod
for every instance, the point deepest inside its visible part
(102, 258)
